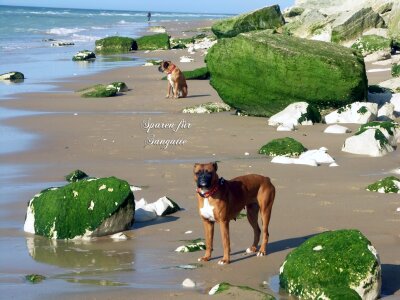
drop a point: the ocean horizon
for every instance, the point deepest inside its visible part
(27, 35)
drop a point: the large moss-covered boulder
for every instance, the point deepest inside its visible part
(87, 208)
(386, 185)
(260, 74)
(283, 147)
(368, 44)
(12, 76)
(269, 17)
(352, 24)
(115, 44)
(84, 55)
(158, 41)
(331, 265)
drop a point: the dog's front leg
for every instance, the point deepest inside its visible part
(225, 243)
(176, 91)
(169, 87)
(209, 235)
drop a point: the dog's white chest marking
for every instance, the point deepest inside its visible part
(207, 211)
(171, 82)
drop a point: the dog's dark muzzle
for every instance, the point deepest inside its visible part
(160, 69)
(204, 180)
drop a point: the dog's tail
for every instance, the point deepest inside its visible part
(184, 91)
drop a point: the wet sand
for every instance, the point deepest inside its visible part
(105, 137)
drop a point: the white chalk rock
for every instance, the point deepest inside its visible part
(395, 100)
(144, 212)
(392, 83)
(188, 283)
(286, 127)
(337, 129)
(204, 44)
(367, 143)
(295, 161)
(378, 56)
(186, 59)
(294, 114)
(386, 112)
(320, 156)
(357, 112)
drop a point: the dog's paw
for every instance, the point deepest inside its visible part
(223, 262)
(204, 258)
(261, 253)
(251, 250)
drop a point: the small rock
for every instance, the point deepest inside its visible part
(188, 283)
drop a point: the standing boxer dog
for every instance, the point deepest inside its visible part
(176, 80)
(222, 200)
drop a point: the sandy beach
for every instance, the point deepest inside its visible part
(107, 137)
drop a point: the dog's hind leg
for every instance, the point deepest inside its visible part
(265, 210)
(184, 91)
(252, 217)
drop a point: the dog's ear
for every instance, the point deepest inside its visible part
(215, 165)
(194, 167)
(166, 64)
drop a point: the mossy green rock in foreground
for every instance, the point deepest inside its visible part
(260, 74)
(332, 264)
(12, 76)
(266, 18)
(239, 292)
(86, 208)
(115, 44)
(387, 185)
(158, 41)
(283, 147)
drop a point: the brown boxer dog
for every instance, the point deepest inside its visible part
(176, 80)
(222, 200)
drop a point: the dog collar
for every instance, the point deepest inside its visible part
(172, 69)
(212, 191)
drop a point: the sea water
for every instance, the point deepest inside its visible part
(27, 35)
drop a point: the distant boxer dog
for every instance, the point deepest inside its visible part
(222, 200)
(176, 80)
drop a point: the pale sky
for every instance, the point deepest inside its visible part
(202, 6)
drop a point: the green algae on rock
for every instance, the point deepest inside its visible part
(82, 209)
(371, 43)
(269, 17)
(196, 74)
(386, 185)
(120, 86)
(352, 25)
(76, 176)
(115, 44)
(395, 70)
(207, 108)
(84, 55)
(283, 147)
(100, 91)
(331, 262)
(260, 74)
(193, 246)
(35, 278)
(158, 41)
(242, 292)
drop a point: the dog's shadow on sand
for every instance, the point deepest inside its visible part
(271, 248)
(158, 220)
(198, 96)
